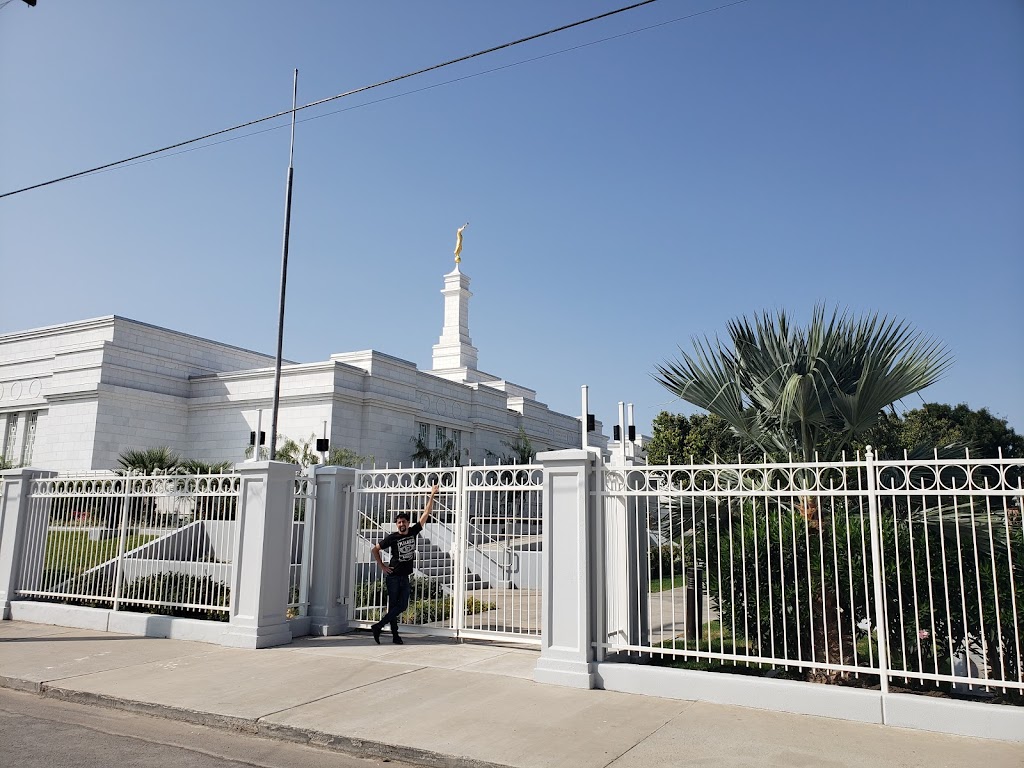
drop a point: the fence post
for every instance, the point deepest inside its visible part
(622, 548)
(333, 567)
(262, 555)
(880, 622)
(308, 537)
(14, 523)
(566, 650)
(460, 541)
(122, 538)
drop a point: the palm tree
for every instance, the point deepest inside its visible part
(805, 391)
(145, 461)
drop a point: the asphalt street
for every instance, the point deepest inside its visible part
(37, 732)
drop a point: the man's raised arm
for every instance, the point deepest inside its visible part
(429, 508)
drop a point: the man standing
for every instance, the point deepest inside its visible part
(402, 545)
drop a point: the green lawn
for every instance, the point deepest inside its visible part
(73, 552)
(660, 585)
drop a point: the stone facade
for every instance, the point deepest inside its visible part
(74, 396)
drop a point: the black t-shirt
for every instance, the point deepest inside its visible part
(403, 549)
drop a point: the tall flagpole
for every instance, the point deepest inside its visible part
(284, 277)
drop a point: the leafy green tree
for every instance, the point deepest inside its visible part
(521, 450)
(303, 454)
(345, 457)
(447, 455)
(809, 392)
(949, 429)
(696, 439)
(937, 424)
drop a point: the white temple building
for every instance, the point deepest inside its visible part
(74, 396)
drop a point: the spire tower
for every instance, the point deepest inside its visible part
(454, 352)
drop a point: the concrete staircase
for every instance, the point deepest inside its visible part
(434, 563)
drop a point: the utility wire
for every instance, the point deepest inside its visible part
(363, 89)
(333, 98)
(129, 163)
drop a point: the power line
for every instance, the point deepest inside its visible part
(333, 98)
(363, 89)
(129, 163)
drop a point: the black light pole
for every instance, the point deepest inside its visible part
(284, 277)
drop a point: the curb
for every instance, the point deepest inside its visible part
(20, 685)
(356, 747)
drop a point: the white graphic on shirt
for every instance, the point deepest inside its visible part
(406, 548)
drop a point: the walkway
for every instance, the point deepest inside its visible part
(436, 702)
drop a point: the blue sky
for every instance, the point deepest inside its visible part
(622, 197)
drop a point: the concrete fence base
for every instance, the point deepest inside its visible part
(124, 622)
(960, 718)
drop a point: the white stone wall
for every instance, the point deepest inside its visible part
(65, 436)
(103, 386)
(135, 419)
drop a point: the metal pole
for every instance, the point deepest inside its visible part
(259, 431)
(622, 433)
(284, 278)
(586, 413)
(881, 622)
(630, 428)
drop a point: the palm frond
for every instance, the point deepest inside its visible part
(786, 389)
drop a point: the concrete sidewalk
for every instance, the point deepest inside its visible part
(437, 702)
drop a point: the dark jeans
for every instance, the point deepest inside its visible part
(398, 600)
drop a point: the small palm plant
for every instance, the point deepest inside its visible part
(199, 467)
(147, 460)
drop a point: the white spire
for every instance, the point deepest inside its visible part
(454, 350)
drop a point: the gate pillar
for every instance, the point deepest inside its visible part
(330, 588)
(259, 588)
(14, 515)
(566, 627)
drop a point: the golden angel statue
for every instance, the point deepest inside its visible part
(458, 243)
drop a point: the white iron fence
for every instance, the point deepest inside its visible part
(895, 571)
(478, 563)
(160, 543)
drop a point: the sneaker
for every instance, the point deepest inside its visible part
(397, 640)
(376, 634)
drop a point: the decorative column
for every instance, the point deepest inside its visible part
(566, 652)
(14, 525)
(330, 588)
(259, 588)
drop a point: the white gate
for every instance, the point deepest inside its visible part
(478, 561)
